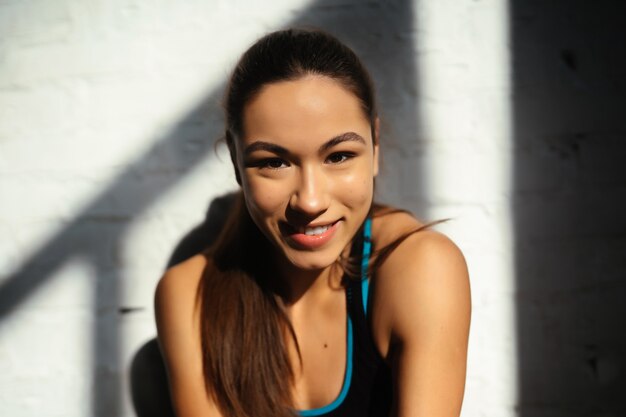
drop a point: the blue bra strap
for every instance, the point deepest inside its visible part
(365, 259)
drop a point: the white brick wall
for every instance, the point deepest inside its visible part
(108, 114)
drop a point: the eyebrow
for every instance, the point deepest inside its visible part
(260, 145)
(344, 137)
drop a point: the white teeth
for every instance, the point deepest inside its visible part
(315, 230)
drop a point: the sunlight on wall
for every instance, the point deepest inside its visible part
(45, 355)
(463, 55)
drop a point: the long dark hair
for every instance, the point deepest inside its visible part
(244, 327)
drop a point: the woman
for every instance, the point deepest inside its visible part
(313, 301)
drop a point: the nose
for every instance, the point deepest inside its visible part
(310, 195)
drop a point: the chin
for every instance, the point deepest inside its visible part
(311, 261)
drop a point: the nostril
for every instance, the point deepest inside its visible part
(306, 200)
(302, 214)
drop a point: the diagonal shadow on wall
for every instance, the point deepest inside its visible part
(570, 198)
(382, 34)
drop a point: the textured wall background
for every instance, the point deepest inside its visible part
(508, 118)
(569, 202)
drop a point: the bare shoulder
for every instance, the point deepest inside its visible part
(386, 227)
(422, 286)
(175, 304)
(177, 315)
(421, 312)
(181, 280)
(419, 253)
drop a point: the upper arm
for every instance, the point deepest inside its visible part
(422, 303)
(179, 339)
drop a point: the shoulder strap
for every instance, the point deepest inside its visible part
(365, 258)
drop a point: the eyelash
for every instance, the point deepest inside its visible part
(344, 155)
(267, 163)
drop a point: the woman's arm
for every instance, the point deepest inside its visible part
(421, 307)
(179, 338)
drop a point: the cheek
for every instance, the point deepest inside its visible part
(264, 198)
(356, 189)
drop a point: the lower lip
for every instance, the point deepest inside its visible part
(314, 241)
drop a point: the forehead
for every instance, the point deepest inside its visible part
(303, 112)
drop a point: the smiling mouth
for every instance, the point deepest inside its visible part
(310, 237)
(315, 231)
(307, 230)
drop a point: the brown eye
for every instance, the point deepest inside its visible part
(273, 163)
(338, 157)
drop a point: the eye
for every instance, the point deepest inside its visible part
(338, 157)
(272, 163)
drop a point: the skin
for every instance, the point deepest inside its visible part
(307, 158)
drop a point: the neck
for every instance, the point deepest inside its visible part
(295, 285)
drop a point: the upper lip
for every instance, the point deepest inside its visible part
(300, 227)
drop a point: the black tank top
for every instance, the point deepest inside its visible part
(366, 389)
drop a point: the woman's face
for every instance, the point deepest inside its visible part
(307, 165)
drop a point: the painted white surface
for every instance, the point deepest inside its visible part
(463, 50)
